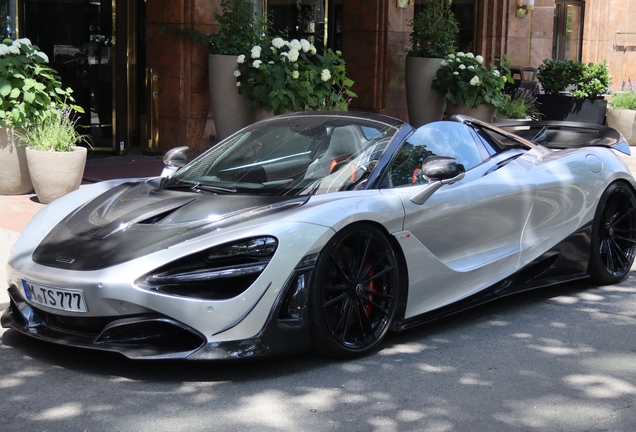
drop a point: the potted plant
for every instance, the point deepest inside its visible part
(621, 114)
(573, 91)
(56, 163)
(285, 76)
(432, 38)
(239, 30)
(469, 87)
(27, 88)
(521, 104)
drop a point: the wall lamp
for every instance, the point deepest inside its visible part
(523, 6)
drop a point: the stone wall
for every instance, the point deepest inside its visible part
(182, 68)
(604, 19)
(375, 36)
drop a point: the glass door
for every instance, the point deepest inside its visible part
(77, 36)
(568, 30)
(303, 19)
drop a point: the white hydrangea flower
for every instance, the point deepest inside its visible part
(295, 44)
(241, 59)
(471, 67)
(293, 54)
(256, 64)
(460, 54)
(325, 75)
(274, 50)
(470, 55)
(455, 73)
(270, 62)
(238, 83)
(475, 81)
(444, 63)
(284, 55)
(305, 45)
(14, 50)
(237, 73)
(4, 50)
(22, 41)
(256, 52)
(479, 59)
(312, 50)
(451, 56)
(278, 43)
(295, 74)
(42, 55)
(462, 67)
(495, 73)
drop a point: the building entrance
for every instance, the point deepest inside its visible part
(92, 44)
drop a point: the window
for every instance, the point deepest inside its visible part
(449, 139)
(568, 30)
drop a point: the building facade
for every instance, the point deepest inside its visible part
(141, 87)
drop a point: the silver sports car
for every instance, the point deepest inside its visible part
(323, 231)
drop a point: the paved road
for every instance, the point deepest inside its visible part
(558, 359)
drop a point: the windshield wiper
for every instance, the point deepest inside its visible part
(201, 187)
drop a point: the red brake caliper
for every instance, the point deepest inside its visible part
(368, 308)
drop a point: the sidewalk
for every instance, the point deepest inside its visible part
(17, 210)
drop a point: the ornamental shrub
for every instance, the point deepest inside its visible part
(462, 79)
(28, 86)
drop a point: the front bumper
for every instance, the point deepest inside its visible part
(156, 336)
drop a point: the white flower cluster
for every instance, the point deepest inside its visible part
(325, 75)
(15, 46)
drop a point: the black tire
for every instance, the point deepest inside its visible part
(613, 235)
(354, 293)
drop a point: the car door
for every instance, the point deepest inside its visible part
(467, 234)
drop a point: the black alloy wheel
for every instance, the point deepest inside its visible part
(613, 235)
(354, 294)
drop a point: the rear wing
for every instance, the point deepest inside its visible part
(566, 135)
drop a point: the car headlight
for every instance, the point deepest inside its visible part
(219, 273)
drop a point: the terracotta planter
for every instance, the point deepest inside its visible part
(624, 121)
(14, 171)
(424, 104)
(54, 174)
(229, 108)
(484, 113)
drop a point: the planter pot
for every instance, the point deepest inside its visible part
(424, 104)
(484, 113)
(624, 121)
(229, 108)
(568, 108)
(54, 174)
(262, 114)
(14, 171)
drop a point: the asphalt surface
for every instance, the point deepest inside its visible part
(561, 358)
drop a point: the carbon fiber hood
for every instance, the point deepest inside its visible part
(136, 219)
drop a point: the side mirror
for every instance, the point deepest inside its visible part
(439, 170)
(174, 159)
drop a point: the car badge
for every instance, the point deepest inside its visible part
(65, 260)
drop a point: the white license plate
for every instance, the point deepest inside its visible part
(57, 298)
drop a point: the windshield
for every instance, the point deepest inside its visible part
(294, 155)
